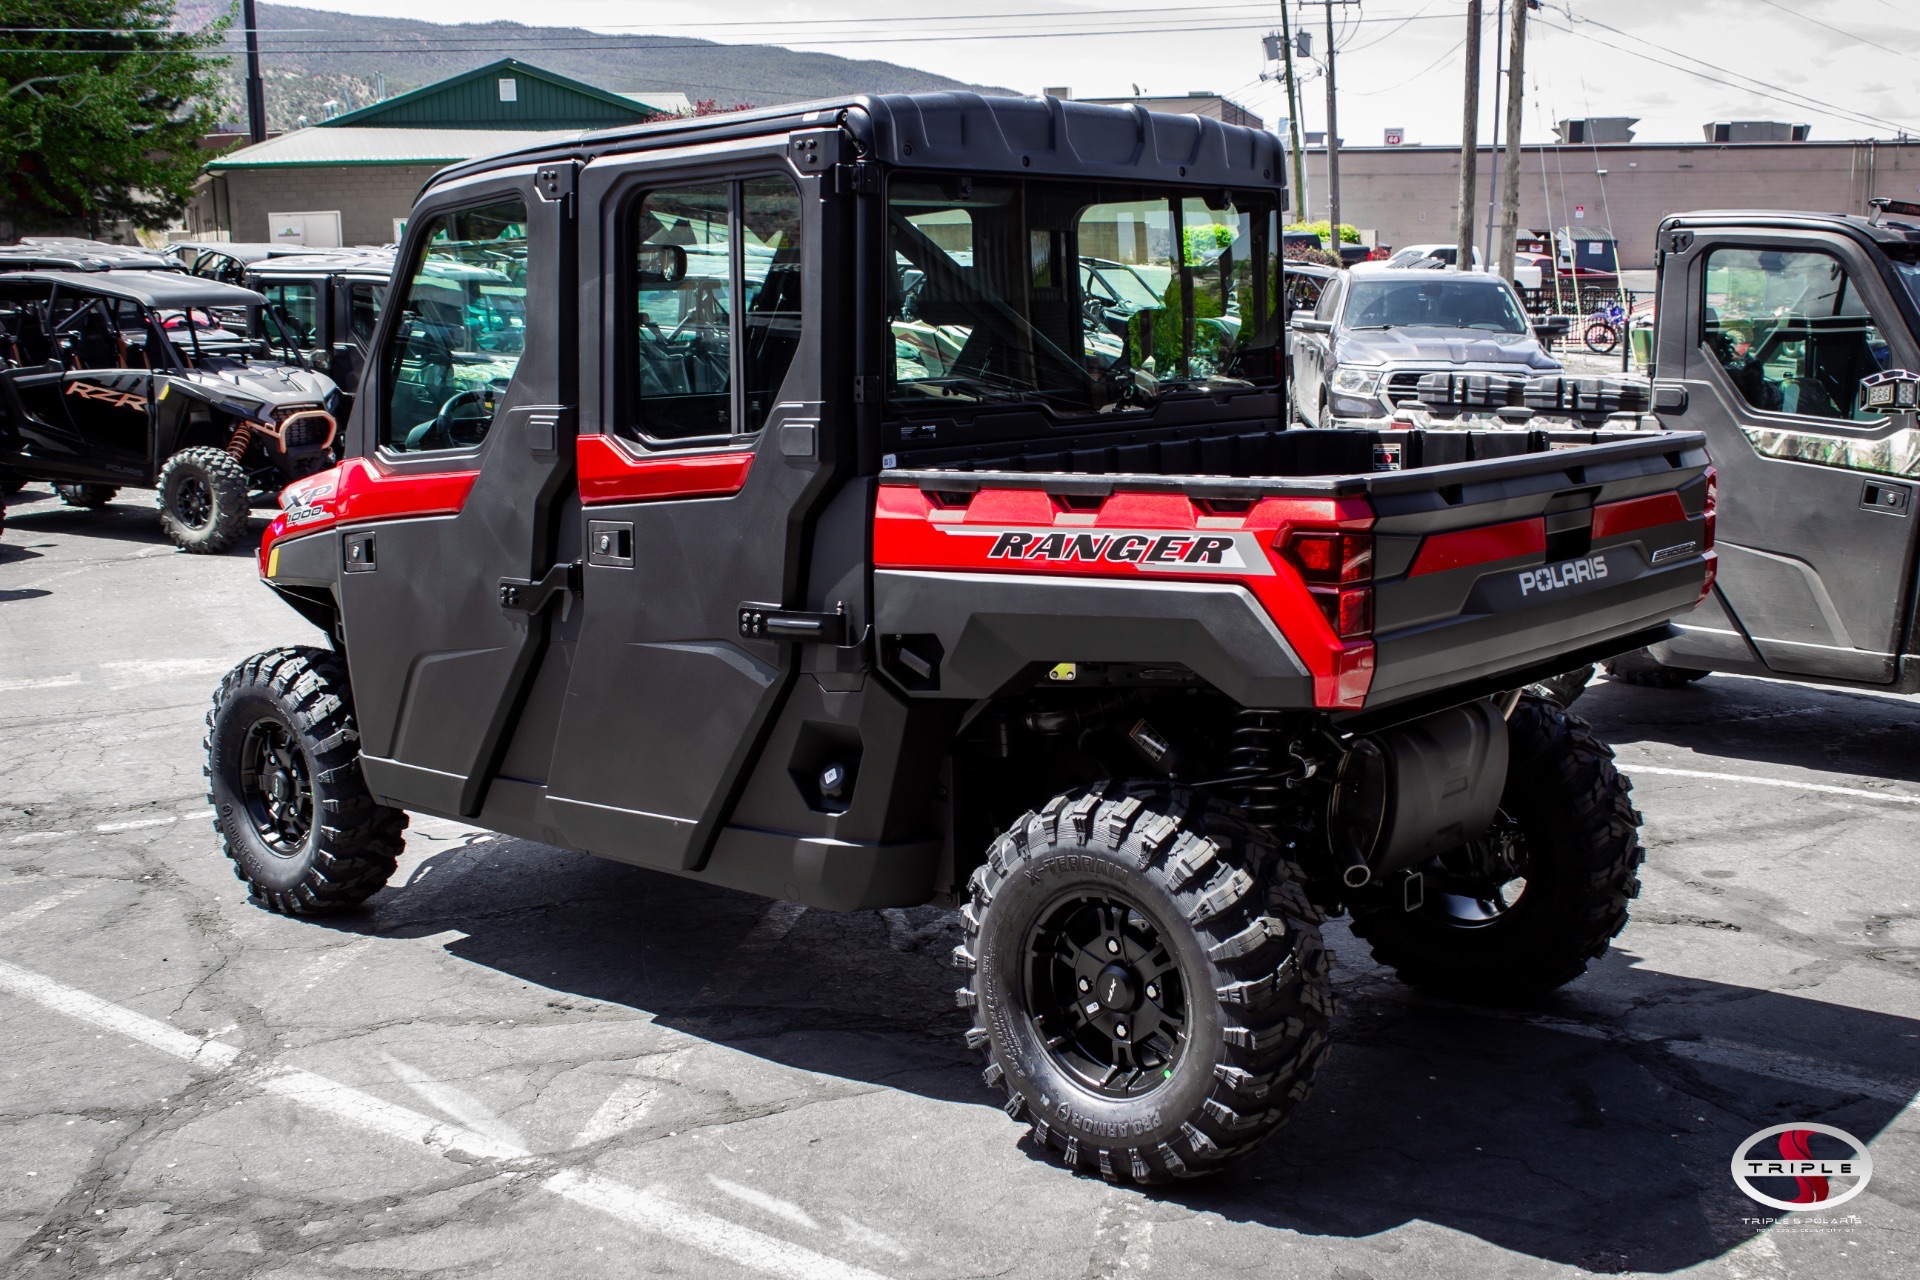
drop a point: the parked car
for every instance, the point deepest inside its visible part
(1010, 635)
(1301, 285)
(324, 307)
(149, 379)
(1438, 257)
(1378, 329)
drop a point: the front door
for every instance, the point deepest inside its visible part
(462, 459)
(1816, 524)
(703, 456)
(105, 391)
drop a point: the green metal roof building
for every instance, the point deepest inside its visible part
(352, 179)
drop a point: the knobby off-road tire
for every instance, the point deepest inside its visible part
(203, 500)
(1204, 920)
(1647, 671)
(91, 496)
(1564, 688)
(1578, 845)
(283, 776)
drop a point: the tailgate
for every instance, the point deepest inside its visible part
(1486, 568)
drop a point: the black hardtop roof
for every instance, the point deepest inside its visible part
(149, 288)
(1895, 228)
(967, 132)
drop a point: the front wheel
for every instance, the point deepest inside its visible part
(204, 500)
(1147, 981)
(1642, 668)
(1601, 337)
(1523, 908)
(283, 776)
(93, 497)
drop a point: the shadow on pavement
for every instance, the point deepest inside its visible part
(1797, 726)
(1593, 1130)
(120, 522)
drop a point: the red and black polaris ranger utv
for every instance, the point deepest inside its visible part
(786, 516)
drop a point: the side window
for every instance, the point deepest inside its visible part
(291, 307)
(1329, 300)
(1791, 331)
(771, 276)
(681, 375)
(449, 361)
(364, 312)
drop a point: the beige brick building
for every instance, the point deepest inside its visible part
(1410, 195)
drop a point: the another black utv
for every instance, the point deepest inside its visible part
(144, 379)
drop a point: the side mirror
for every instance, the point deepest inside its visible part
(1552, 329)
(1894, 391)
(1311, 324)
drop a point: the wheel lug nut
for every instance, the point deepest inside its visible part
(1086, 985)
(1113, 946)
(1121, 1031)
(1153, 992)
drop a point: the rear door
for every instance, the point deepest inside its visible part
(1816, 531)
(704, 452)
(463, 461)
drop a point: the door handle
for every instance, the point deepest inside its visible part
(1889, 499)
(771, 622)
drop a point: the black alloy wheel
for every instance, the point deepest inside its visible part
(276, 784)
(1103, 985)
(1474, 886)
(193, 503)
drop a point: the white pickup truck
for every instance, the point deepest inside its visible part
(1526, 275)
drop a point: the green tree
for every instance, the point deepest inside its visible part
(103, 109)
(1349, 234)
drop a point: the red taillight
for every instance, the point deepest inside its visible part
(1713, 503)
(1337, 566)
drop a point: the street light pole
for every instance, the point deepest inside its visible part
(1293, 119)
(1510, 188)
(1333, 141)
(1493, 180)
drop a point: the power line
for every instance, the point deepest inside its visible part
(1898, 53)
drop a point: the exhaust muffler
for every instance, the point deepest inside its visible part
(1407, 793)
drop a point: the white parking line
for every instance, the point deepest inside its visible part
(44, 682)
(14, 919)
(137, 823)
(1864, 794)
(647, 1209)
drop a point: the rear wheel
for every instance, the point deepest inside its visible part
(1642, 668)
(283, 776)
(1564, 688)
(1522, 909)
(91, 496)
(1601, 337)
(203, 499)
(1147, 981)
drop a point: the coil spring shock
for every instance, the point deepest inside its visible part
(237, 442)
(1255, 758)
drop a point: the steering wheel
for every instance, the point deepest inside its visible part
(438, 431)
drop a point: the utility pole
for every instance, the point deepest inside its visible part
(1493, 181)
(256, 91)
(1333, 141)
(1469, 140)
(1293, 120)
(1510, 189)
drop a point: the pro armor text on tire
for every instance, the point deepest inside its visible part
(203, 500)
(283, 776)
(1147, 981)
(91, 496)
(1524, 908)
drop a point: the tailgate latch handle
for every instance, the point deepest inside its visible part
(772, 622)
(531, 595)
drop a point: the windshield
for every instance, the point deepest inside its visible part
(1909, 273)
(1089, 298)
(1447, 302)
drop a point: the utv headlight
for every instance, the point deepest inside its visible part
(1356, 382)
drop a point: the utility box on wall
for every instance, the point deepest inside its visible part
(317, 230)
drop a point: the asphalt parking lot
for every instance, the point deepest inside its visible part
(520, 1061)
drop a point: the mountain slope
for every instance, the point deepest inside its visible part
(310, 56)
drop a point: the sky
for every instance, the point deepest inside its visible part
(1847, 67)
